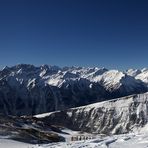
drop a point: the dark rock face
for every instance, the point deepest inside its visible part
(29, 129)
(28, 90)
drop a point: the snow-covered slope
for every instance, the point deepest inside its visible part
(118, 141)
(139, 74)
(143, 76)
(126, 116)
(26, 89)
(116, 116)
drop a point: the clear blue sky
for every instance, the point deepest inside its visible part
(104, 33)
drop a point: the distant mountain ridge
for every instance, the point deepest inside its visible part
(27, 90)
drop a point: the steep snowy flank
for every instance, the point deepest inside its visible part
(116, 116)
(26, 89)
(114, 79)
(139, 74)
(143, 76)
(133, 72)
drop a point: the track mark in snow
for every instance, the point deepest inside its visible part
(110, 142)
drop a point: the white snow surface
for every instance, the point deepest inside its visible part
(131, 140)
(143, 76)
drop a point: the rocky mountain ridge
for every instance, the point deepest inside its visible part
(28, 90)
(117, 116)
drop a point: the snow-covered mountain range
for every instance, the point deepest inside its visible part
(26, 89)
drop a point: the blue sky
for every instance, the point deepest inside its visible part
(108, 33)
